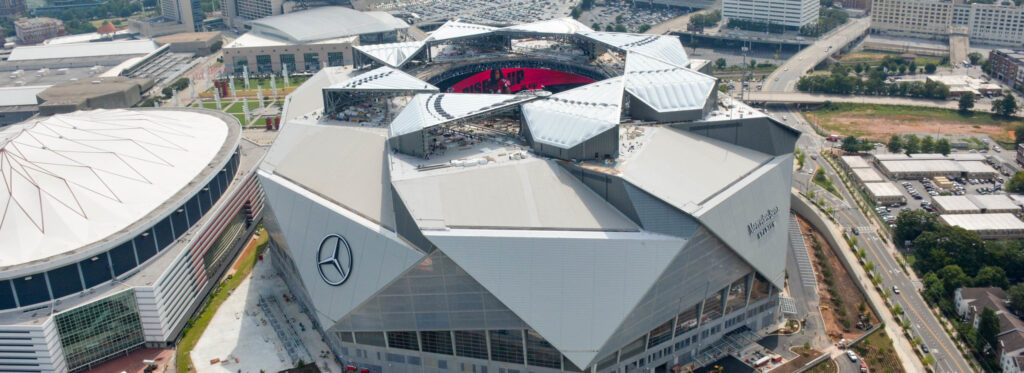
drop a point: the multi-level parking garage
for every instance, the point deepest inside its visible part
(115, 224)
(634, 222)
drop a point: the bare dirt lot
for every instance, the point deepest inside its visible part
(841, 300)
(879, 122)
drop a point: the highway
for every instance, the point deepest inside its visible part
(923, 322)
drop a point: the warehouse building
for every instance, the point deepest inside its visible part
(884, 193)
(988, 226)
(115, 235)
(478, 251)
(867, 175)
(851, 162)
(916, 168)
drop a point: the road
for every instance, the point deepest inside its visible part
(787, 74)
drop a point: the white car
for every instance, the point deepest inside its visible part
(852, 356)
(895, 289)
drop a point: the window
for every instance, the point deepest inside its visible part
(633, 348)
(241, 63)
(660, 334)
(760, 289)
(507, 346)
(471, 343)
(370, 338)
(541, 353)
(403, 340)
(335, 59)
(287, 61)
(438, 342)
(712, 307)
(99, 329)
(312, 61)
(263, 63)
(737, 296)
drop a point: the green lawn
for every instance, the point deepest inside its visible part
(197, 324)
(236, 108)
(241, 119)
(293, 81)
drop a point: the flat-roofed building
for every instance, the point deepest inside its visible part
(995, 203)
(35, 30)
(955, 205)
(988, 226)
(884, 192)
(854, 161)
(867, 175)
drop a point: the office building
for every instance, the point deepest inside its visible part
(993, 24)
(792, 14)
(35, 30)
(176, 16)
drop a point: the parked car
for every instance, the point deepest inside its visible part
(852, 356)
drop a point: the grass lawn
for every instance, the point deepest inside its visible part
(197, 325)
(877, 351)
(878, 122)
(241, 119)
(236, 108)
(293, 81)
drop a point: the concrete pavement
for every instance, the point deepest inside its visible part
(786, 75)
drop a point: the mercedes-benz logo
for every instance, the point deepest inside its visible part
(334, 260)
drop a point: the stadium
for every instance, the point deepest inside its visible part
(114, 225)
(535, 198)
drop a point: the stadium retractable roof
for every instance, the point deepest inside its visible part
(393, 54)
(456, 29)
(569, 118)
(428, 110)
(664, 86)
(384, 78)
(552, 26)
(663, 47)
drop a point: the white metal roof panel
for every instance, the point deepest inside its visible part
(854, 161)
(393, 54)
(929, 165)
(426, 110)
(884, 189)
(384, 78)
(984, 222)
(562, 283)
(18, 96)
(457, 29)
(663, 47)
(994, 202)
(70, 180)
(868, 175)
(976, 167)
(362, 187)
(664, 86)
(106, 48)
(955, 204)
(569, 118)
(552, 26)
(527, 194)
(327, 23)
(685, 169)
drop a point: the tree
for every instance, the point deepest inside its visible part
(1005, 107)
(851, 144)
(1016, 183)
(1016, 295)
(911, 144)
(596, 26)
(928, 145)
(975, 57)
(858, 68)
(988, 327)
(620, 28)
(643, 28)
(943, 147)
(934, 289)
(929, 68)
(910, 225)
(966, 103)
(895, 144)
(953, 277)
(1018, 135)
(753, 63)
(991, 276)
(720, 63)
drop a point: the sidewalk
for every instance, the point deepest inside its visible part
(906, 353)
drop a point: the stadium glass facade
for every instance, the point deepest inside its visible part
(100, 329)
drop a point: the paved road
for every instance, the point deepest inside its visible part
(791, 71)
(777, 97)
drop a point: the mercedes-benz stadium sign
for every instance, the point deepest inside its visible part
(334, 260)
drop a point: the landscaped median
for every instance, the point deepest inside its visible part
(198, 323)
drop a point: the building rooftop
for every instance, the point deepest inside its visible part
(883, 189)
(855, 161)
(20, 96)
(185, 37)
(79, 50)
(79, 92)
(326, 23)
(71, 181)
(868, 175)
(984, 222)
(955, 204)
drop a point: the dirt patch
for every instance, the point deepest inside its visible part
(880, 128)
(793, 365)
(841, 302)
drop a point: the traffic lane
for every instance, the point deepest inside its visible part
(846, 365)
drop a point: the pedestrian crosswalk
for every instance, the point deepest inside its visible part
(803, 261)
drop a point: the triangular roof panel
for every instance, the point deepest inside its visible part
(457, 29)
(569, 118)
(384, 78)
(567, 286)
(552, 26)
(664, 86)
(426, 110)
(664, 47)
(392, 54)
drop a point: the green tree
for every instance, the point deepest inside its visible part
(620, 28)
(966, 103)
(753, 63)
(988, 327)
(643, 28)
(596, 26)
(1016, 183)
(859, 68)
(1016, 295)
(1005, 107)
(720, 63)
(1018, 135)
(927, 145)
(953, 277)
(929, 68)
(851, 144)
(949, 245)
(934, 289)
(895, 144)
(991, 276)
(910, 225)
(911, 144)
(943, 147)
(975, 57)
